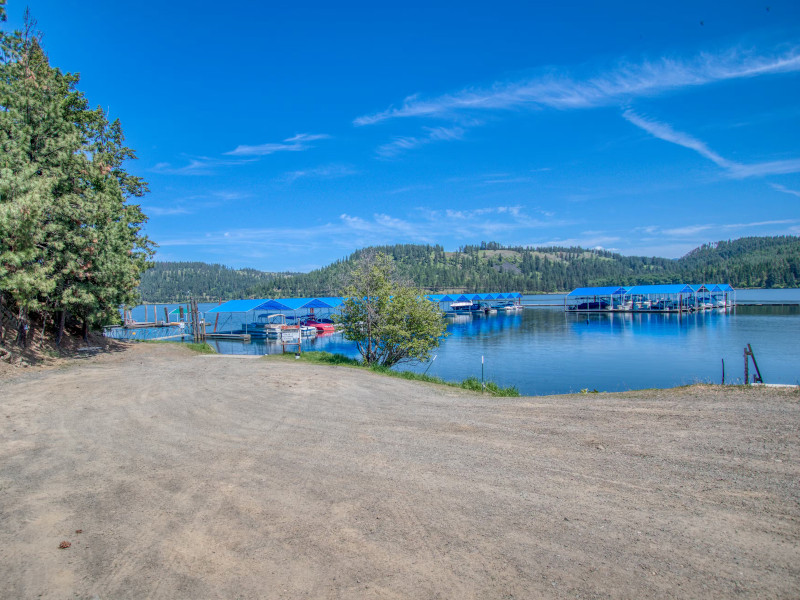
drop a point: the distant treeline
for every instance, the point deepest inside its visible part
(764, 262)
(179, 281)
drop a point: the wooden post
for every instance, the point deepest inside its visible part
(723, 371)
(180, 313)
(196, 319)
(757, 376)
(190, 318)
(166, 316)
(746, 368)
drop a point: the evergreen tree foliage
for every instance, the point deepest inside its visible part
(389, 320)
(70, 242)
(746, 262)
(179, 281)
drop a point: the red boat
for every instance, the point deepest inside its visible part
(322, 325)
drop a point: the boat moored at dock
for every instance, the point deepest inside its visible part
(666, 298)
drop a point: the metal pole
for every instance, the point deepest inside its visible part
(723, 371)
(483, 386)
(429, 364)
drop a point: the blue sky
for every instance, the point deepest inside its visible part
(283, 136)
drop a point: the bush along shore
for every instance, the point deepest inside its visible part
(470, 383)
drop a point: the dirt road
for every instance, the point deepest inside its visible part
(212, 477)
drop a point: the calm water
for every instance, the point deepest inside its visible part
(545, 351)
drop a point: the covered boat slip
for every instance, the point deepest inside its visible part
(268, 317)
(257, 317)
(477, 304)
(667, 298)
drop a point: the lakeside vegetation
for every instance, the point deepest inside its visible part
(470, 383)
(761, 262)
(71, 241)
(177, 281)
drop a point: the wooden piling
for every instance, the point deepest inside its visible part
(749, 352)
(746, 368)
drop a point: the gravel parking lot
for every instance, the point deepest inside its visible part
(176, 475)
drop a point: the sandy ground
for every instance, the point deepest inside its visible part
(212, 477)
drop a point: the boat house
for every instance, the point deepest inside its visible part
(676, 297)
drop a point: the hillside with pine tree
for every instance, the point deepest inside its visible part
(762, 262)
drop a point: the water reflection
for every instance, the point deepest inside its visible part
(545, 350)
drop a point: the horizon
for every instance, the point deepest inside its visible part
(282, 138)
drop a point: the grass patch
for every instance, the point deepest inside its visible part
(201, 348)
(474, 384)
(470, 383)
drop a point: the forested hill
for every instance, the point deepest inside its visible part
(179, 281)
(746, 262)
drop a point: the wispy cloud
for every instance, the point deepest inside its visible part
(785, 190)
(620, 84)
(410, 188)
(164, 211)
(323, 172)
(690, 230)
(687, 230)
(201, 165)
(734, 169)
(432, 134)
(350, 231)
(188, 205)
(668, 134)
(296, 143)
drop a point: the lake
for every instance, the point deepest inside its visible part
(544, 350)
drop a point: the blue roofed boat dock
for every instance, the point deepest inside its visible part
(667, 298)
(285, 319)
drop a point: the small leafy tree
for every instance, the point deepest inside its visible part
(390, 320)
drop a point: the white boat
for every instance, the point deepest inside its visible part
(460, 309)
(508, 307)
(273, 324)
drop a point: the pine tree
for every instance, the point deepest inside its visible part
(69, 240)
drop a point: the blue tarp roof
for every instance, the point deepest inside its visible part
(331, 301)
(243, 306)
(293, 304)
(598, 291)
(673, 288)
(235, 306)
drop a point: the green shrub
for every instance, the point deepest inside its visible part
(201, 348)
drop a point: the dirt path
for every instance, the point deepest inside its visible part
(207, 477)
